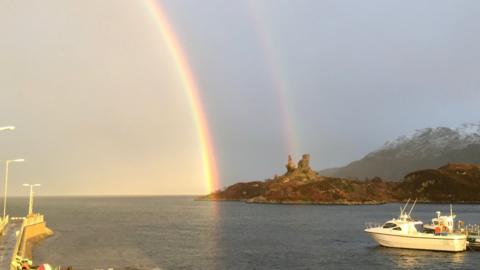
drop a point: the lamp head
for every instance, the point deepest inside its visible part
(7, 128)
(15, 160)
(29, 185)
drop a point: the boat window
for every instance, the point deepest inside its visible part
(419, 227)
(397, 229)
(389, 225)
(435, 222)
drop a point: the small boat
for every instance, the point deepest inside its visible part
(441, 224)
(405, 232)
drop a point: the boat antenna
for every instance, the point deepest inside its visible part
(412, 207)
(451, 210)
(403, 209)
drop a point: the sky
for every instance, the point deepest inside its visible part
(100, 107)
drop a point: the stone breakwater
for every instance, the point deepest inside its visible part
(33, 229)
(32, 235)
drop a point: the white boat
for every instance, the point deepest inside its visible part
(405, 232)
(441, 223)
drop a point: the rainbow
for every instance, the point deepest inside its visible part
(179, 57)
(277, 76)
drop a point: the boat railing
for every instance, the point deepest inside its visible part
(371, 225)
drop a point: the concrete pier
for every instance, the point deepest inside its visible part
(18, 237)
(34, 230)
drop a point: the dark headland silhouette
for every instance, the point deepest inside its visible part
(300, 184)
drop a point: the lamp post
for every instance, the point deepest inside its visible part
(6, 184)
(7, 128)
(30, 202)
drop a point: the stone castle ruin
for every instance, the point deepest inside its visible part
(300, 171)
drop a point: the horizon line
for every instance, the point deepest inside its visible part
(110, 195)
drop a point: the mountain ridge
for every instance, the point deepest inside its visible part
(426, 148)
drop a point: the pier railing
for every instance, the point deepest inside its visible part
(473, 229)
(33, 219)
(3, 224)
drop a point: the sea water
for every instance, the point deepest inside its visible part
(180, 233)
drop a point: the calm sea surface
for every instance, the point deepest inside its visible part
(179, 233)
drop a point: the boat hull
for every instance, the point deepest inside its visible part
(452, 242)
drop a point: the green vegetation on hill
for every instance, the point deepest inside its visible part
(452, 182)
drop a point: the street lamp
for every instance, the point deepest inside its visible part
(7, 162)
(7, 128)
(30, 203)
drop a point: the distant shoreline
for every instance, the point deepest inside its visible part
(332, 203)
(292, 202)
(108, 196)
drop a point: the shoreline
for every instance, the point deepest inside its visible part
(353, 203)
(249, 201)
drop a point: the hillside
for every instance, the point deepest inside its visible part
(427, 148)
(452, 182)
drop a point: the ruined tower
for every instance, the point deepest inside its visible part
(304, 163)
(290, 165)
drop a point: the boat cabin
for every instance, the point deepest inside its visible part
(403, 225)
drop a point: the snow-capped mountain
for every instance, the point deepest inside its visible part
(426, 148)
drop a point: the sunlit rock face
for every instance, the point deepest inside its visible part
(426, 148)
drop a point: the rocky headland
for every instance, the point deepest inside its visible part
(300, 184)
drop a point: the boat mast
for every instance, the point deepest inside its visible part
(403, 209)
(412, 207)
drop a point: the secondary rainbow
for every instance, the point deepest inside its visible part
(188, 80)
(278, 77)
